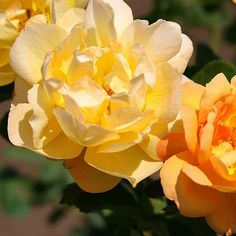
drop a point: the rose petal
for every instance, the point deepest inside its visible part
(88, 178)
(132, 164)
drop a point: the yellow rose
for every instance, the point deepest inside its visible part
(100, 98)
(200, 171)
(15, 14)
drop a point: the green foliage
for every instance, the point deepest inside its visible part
(212, 69)
(127, 211)
(193, 13)
(19, 193)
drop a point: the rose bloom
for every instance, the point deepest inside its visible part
(97, 96)
(199, 173)
(15, 14)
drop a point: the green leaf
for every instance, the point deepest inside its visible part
(204, 55)
(15, 197)
(118, 198)
(159, 204)
(212, 69)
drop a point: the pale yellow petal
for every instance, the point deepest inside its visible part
(28, 52)
(125, 141)
(166, 95)
(71, 18)
(84, 134)
(181, 59)
(106, 20)
(8, 31)
(88, 178)
(162, 40)
(132, 164)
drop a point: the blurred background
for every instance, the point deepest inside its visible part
(31, 186)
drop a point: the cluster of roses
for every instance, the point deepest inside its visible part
(106, 94)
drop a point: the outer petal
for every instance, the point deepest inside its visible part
(192, 93)
(30, 48)
(20, 134)
(132, 164)
(216, 89)
(162, 40)
(106, 20)
(89, 178)
(223, 217)
(190, 127)
(19, 130)
(181, 59)
(188, 196)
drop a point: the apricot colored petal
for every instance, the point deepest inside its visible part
(29, 50)
(190, 127)
(196, 175)
(181, 59)
(223, 217)
(169, 174)
(224, 165)
(218, 88)
(189, 197)
(192, 93)
(194, 200)
(88, 178)
(205, 143)
(132, 164)
(167, 146)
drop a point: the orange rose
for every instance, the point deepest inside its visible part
(199, 173)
